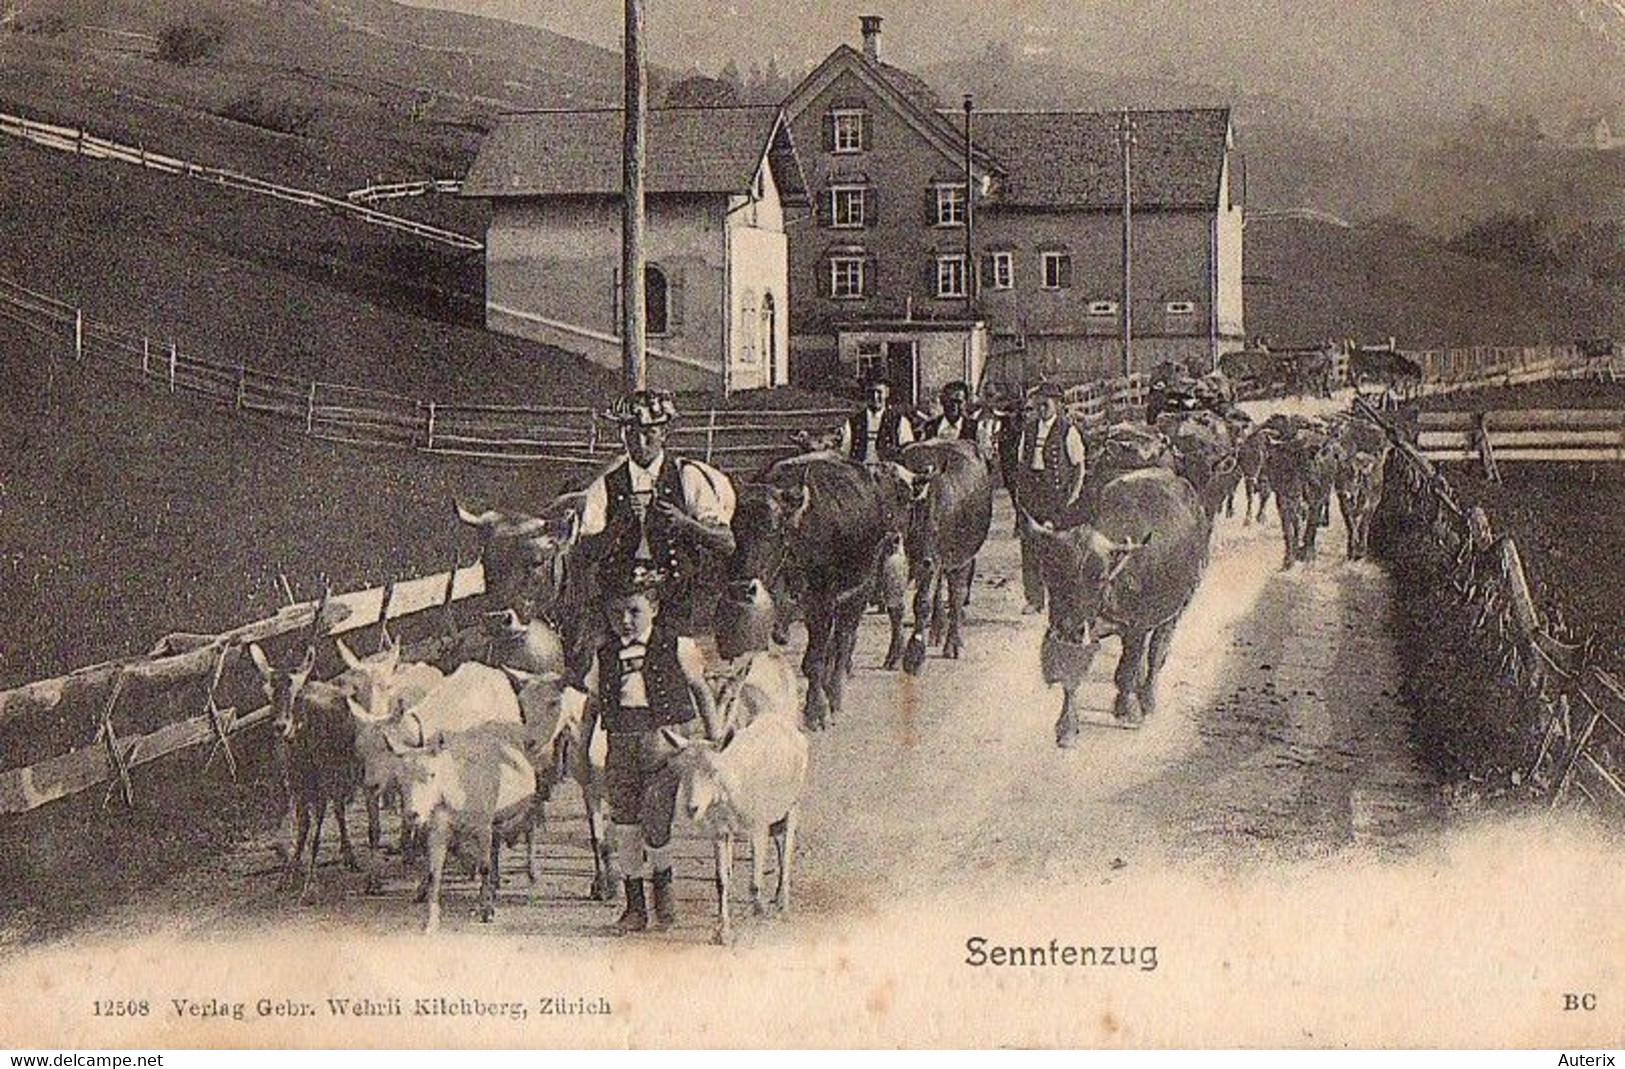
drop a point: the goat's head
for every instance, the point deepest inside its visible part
(282, 689)
(696, 761)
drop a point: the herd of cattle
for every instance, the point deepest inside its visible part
(474, 745)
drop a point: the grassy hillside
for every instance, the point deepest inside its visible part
(1309, 281)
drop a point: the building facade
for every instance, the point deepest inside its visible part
(1042, 274)
(717, 288)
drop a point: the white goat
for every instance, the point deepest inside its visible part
(749, 787)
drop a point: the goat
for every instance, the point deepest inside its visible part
(750, 787)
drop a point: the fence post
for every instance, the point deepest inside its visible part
(710, 434)
(242, 385)
(146, 357)
(78, 334)
(174, 357)
(429, 443)
(310, 408)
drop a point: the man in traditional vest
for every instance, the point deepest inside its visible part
(1049, 478)
(957, 423)
(877, 432)
(656, 510)
(645, 677)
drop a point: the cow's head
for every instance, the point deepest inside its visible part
(766, 520)
(744, 619)
(368, 678)
(1079, 564)
(704, 781)
(282, 689)
(524, 557)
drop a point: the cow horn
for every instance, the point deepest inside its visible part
(351, 661)
(261, 663)
(518, 676)
(675, 740)
(1225, 466)
(800, 511)
(484, 519)
(365, 717)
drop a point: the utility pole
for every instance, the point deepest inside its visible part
(632, 209)
(1125, 134)
(972, 275)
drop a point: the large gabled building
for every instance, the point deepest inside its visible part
(881, 276)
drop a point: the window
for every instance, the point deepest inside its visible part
(1057, 270)
(999, 271)
(846, 207)
(656, 306)
(950, 276)
(950, 205)
(847, 132)
(871, 360)
(1180, 308)
(846, 277)
(1102, 308)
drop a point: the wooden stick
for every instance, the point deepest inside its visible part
(218, 718)
(115, 757)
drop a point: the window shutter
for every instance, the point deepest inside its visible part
(615, 302)
(829, 131)
(986, 278)
(826, 272)
(865, 126)
(871, 275)
(930, 205)
(1066, 272)
(674, 300)
(829, 207)
(871, 200)
(930, 280)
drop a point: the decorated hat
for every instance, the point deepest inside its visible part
(645, 408)
(1047, 389)
(629, 582)
(957, 389)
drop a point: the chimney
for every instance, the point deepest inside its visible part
(871, 36)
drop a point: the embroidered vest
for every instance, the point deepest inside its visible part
(670, 701)
(887, 445)
(621, 518)
(968, 426)
(1050, 486)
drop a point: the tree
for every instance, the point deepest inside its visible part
(698, 91)
(1517, 239)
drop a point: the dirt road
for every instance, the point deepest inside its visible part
(1279, 738)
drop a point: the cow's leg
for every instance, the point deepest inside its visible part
(759, 841)
(605, 882)
(924, 607)
(844, 643)
(1130, 673)
(375, 821)
(894, 647)
(488, 849)
(725, 863)
(784, 841)
(346, 851)
(959, 581)
(306, 892)
(301, 831)
(1162, 639)
(439, 837)
(939, 608)
(1066, 727)
(1289, 531)
(818, 661)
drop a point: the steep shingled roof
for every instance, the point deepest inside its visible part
(1072, 159)
(690, 150)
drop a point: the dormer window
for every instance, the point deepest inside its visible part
(1180, 308)
(1102, 308)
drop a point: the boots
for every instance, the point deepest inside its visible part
(665, 900)
(636, 916)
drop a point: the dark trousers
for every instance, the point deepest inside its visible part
(1032, 578)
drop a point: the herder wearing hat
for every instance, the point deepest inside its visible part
(956, 422)
(1049, 477)
(645, 677)
(655, 510)
(877, 432)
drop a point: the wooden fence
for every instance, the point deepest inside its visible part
(1483, 366)
(1540, 434)
(1573, 708)
(735, 440)
(82, 143)
(100, 695)
(398, 190)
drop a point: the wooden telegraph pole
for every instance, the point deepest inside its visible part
(632, 211)
(1125, 133)
(972, 275)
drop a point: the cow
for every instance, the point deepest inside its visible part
(949, 516)
(1125, 447)
(1204, 449)
(1251, 447)
(1389, 368)
(1309, 371)
(749, 785)
(811, 528)
(317, 741)
(1256, 373)
(1130, 569)
(1363, 449)
(1300, 463)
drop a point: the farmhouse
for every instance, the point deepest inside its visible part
(719, 181)
(882, 274)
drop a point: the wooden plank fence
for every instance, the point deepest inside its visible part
(1574, 707)
(736, 441)
(188, 659)
(82, 143)
(1544, 435)
(396, 190)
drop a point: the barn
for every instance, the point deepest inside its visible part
(719, 182)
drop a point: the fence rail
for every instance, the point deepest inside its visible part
(507, 434)
(1573, 708)
(1546, 435)
(82, 143)
(397, 190)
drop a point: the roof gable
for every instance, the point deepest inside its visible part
(1073, 159)
(689, 150)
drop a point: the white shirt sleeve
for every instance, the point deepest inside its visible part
(707, 493)
(846, 438)
(1074, 446)
(589, 682)
(905, 431)
(690, 657)
(595, 509)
